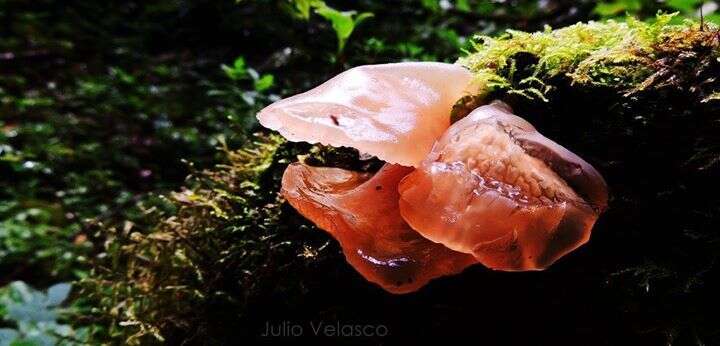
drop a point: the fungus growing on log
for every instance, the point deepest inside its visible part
(361, 211)
(496, 188)
(392, 111)
(487, 189)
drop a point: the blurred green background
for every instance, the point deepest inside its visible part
(105, 107)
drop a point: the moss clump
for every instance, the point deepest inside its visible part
(618, 55)
(228, 241)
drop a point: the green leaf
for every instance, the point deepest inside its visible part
(237, 71)
(24, 342)
(462, 5)
(432, 5)
(57, 293)
(21, 291)
(42, 339)
(713, 18)
(449, 36)
(264, 82)
(239, 64)
(7, 336)
(122, 75)
(686, 6)
(362, 17)
(343, 22)
(303, 8)
(617, 7)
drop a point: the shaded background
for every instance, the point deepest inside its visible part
(106, 107)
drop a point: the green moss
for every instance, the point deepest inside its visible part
(615, 55)
(225, 245)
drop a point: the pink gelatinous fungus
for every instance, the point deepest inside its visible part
(392, 111)
(361, 211)
(488, 189)
(496, 188)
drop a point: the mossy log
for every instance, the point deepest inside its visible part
(639, 101)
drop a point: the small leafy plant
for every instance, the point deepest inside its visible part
(343, 22)
(34, 316)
